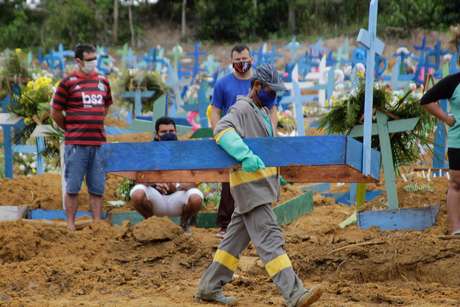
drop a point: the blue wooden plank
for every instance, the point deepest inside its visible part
(40, 148)
(354, 157)
(42, 214)
(4, 103)
(440, 141)
(116, 130)
(399, 219)
(25, 149)
(178, 120)
(206, 154)
(132, 216)
(345, 198)
(8, 151)
(374, 46)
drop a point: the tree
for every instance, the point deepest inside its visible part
(130, 4)
(115, 22)
(291, 16)
(18, 25)
(183, 19)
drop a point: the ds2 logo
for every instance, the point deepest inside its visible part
(91, 99)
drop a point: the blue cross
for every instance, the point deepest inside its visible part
(343, 53)
(56, 59)
(150, 58)
(130, 59)
(422, 60)
(453, 63)
(435, 54)
(368, 38)
(104, 61)
(211, 65)
(317, 50)
(176, 53)
(196, 54)
(292, 47)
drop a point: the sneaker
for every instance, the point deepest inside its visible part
(221, 233)
(218, 297)
(311, 296)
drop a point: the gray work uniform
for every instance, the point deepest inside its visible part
(253, 219)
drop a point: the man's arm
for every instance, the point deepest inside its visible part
(274, 118)
(58, 104)
(444, 89)
(215, 116)
(438, 112)
(58, 117)
(217, 104)
(109, 99)
(229, 138)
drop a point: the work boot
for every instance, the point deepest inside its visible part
(309, 297)
(218, 297)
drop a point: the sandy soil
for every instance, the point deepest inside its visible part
(154, 264)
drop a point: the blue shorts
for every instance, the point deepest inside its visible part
(84, 161)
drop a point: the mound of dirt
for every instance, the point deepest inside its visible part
(110, 121)
(153, 263)
(156, 229)
(44, 191)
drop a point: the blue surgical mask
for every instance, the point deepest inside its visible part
(168, 137)
(267, 99)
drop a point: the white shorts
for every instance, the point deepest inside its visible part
(166, 205)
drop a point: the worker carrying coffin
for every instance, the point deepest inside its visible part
(254, 187)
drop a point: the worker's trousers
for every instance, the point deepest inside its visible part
(259, 226)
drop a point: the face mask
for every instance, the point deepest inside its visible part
(89, 66)
(168, 137)
(242, 67)
(266, 98)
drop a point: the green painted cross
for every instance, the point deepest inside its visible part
(383, 128)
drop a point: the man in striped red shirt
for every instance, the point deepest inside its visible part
(79, 106)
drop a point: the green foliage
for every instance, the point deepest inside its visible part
(18, 26)
(131, 80)
(348, 112)
(73, 21)
(13, 70)
(34, 102)
(212, 194)
(225, 20)
(124, 188)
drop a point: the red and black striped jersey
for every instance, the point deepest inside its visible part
(84, 98)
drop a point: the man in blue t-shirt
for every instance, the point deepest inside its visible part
(226, 90)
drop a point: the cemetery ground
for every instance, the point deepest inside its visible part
(153, 263)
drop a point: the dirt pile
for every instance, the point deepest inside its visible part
(153, 263)
(359, 265)
(46, 261)
(44, 191)
(156, 229)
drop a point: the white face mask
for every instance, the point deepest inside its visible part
(89, 66)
